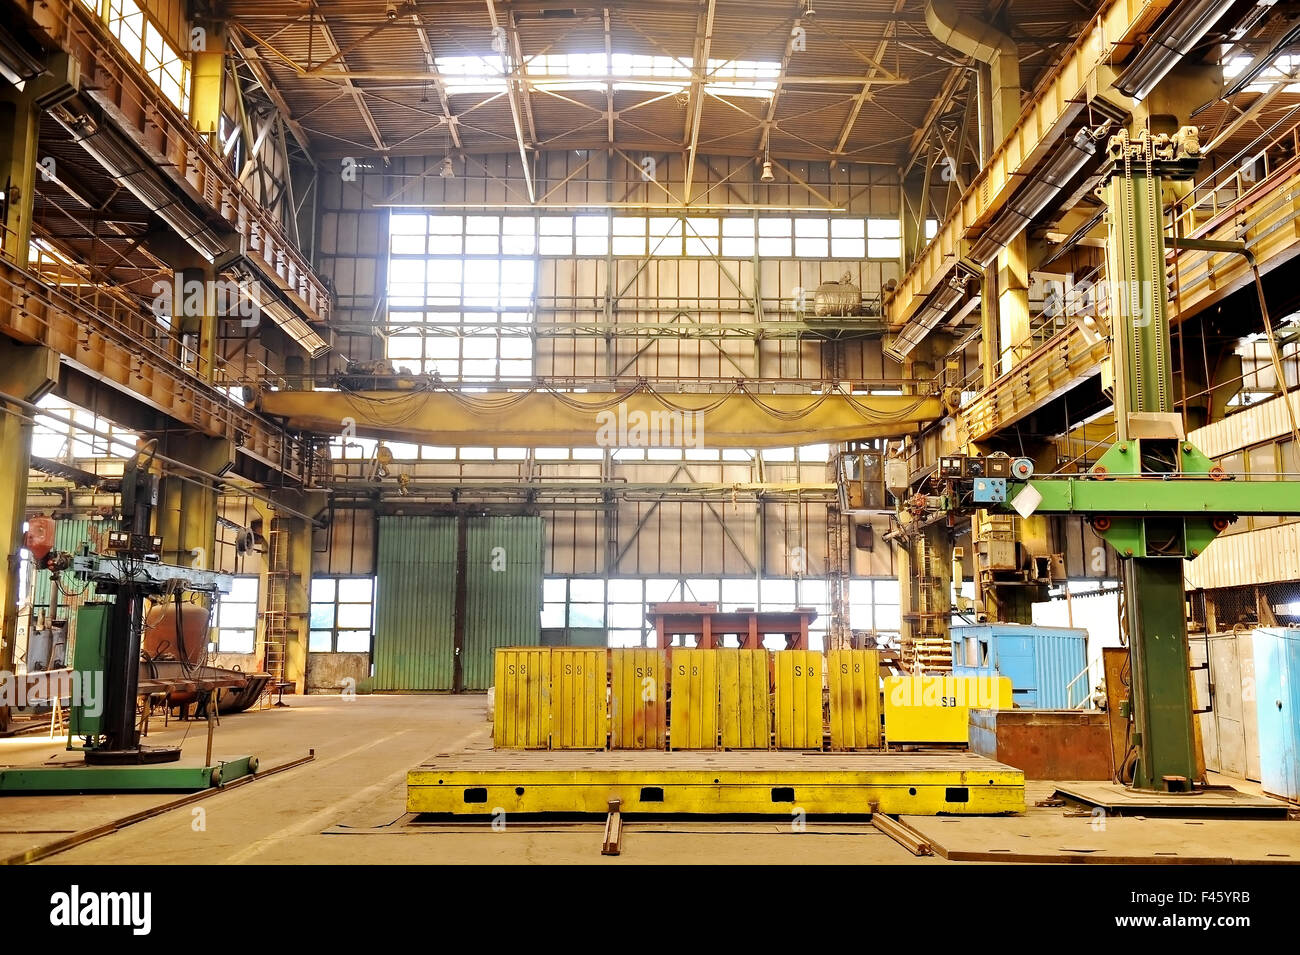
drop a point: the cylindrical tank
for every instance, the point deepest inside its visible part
(837, 298)
(162, 639)
(40, 537)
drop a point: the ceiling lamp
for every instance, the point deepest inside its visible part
(766, 175)
(447, 169)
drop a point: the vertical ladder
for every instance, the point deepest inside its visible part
(838, 562)
(277, 627)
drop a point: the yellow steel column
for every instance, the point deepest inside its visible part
(207, 73)
(18, 120)
(1013, 303)
(26, 372)
(287, 584)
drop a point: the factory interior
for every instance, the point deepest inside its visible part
(625, 432)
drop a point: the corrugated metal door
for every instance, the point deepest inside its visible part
(694, 700)
(415, 603)
(1277, 688)
(503, 592)
(746, 699)
(1014, 657)
(69, 536)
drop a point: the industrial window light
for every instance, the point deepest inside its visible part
(1175, 39)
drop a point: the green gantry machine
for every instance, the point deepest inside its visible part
(1152, 495)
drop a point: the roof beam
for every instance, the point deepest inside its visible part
(609, 87)
(770, 119)
(440, 88)
(699, 69)
(358, 96)
(864, 94)
(508, 53)
(258, 69)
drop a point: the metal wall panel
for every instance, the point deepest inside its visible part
(415, 604)
(1264, 556)
(798, 699)
(854, 680)
(746, 698)
(523, 699)
(638, 717)
(503, 592)
(577, 698)
(1230, 730)
(1277, 701)
(69, 535)
(694, 699)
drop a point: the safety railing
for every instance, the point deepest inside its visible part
(99, 333)
(155, 125)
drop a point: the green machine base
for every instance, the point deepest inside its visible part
(80, 778)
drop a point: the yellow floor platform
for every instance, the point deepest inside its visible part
(697, 783)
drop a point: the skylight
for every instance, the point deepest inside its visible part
(596, 71)
(1282, 69)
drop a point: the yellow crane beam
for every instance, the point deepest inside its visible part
(639, 419)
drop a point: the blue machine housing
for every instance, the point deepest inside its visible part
(1040, 661)
(1277, 701)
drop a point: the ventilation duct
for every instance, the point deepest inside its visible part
(985, 43)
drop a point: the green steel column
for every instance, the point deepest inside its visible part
(1163, 735)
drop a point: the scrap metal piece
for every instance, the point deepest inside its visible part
(613, 844)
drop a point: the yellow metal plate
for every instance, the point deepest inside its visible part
(768, 783)
(746, 699)
(854, 680)
(936, 708)
(694, 699)
(523, 704)
(578, 698)
(638, 717)
(798, 699)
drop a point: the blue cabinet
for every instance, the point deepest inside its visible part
(1277, 702)
(1040, 661)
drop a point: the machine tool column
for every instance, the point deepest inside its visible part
(1163, 735)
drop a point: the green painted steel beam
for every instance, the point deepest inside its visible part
(80, 778)
(1153, 496)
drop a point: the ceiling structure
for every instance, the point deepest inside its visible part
(838, 80)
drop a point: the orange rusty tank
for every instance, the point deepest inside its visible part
(161, 638)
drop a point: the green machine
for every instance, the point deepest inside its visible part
(1152, 495)
(104, 679)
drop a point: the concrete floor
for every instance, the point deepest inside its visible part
(341, 808)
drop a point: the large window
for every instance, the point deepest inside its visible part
(88, 436)
(342, 614)
(237, 617)
(557, 72)
(508, 282)
(146, 45)
(621, 605)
